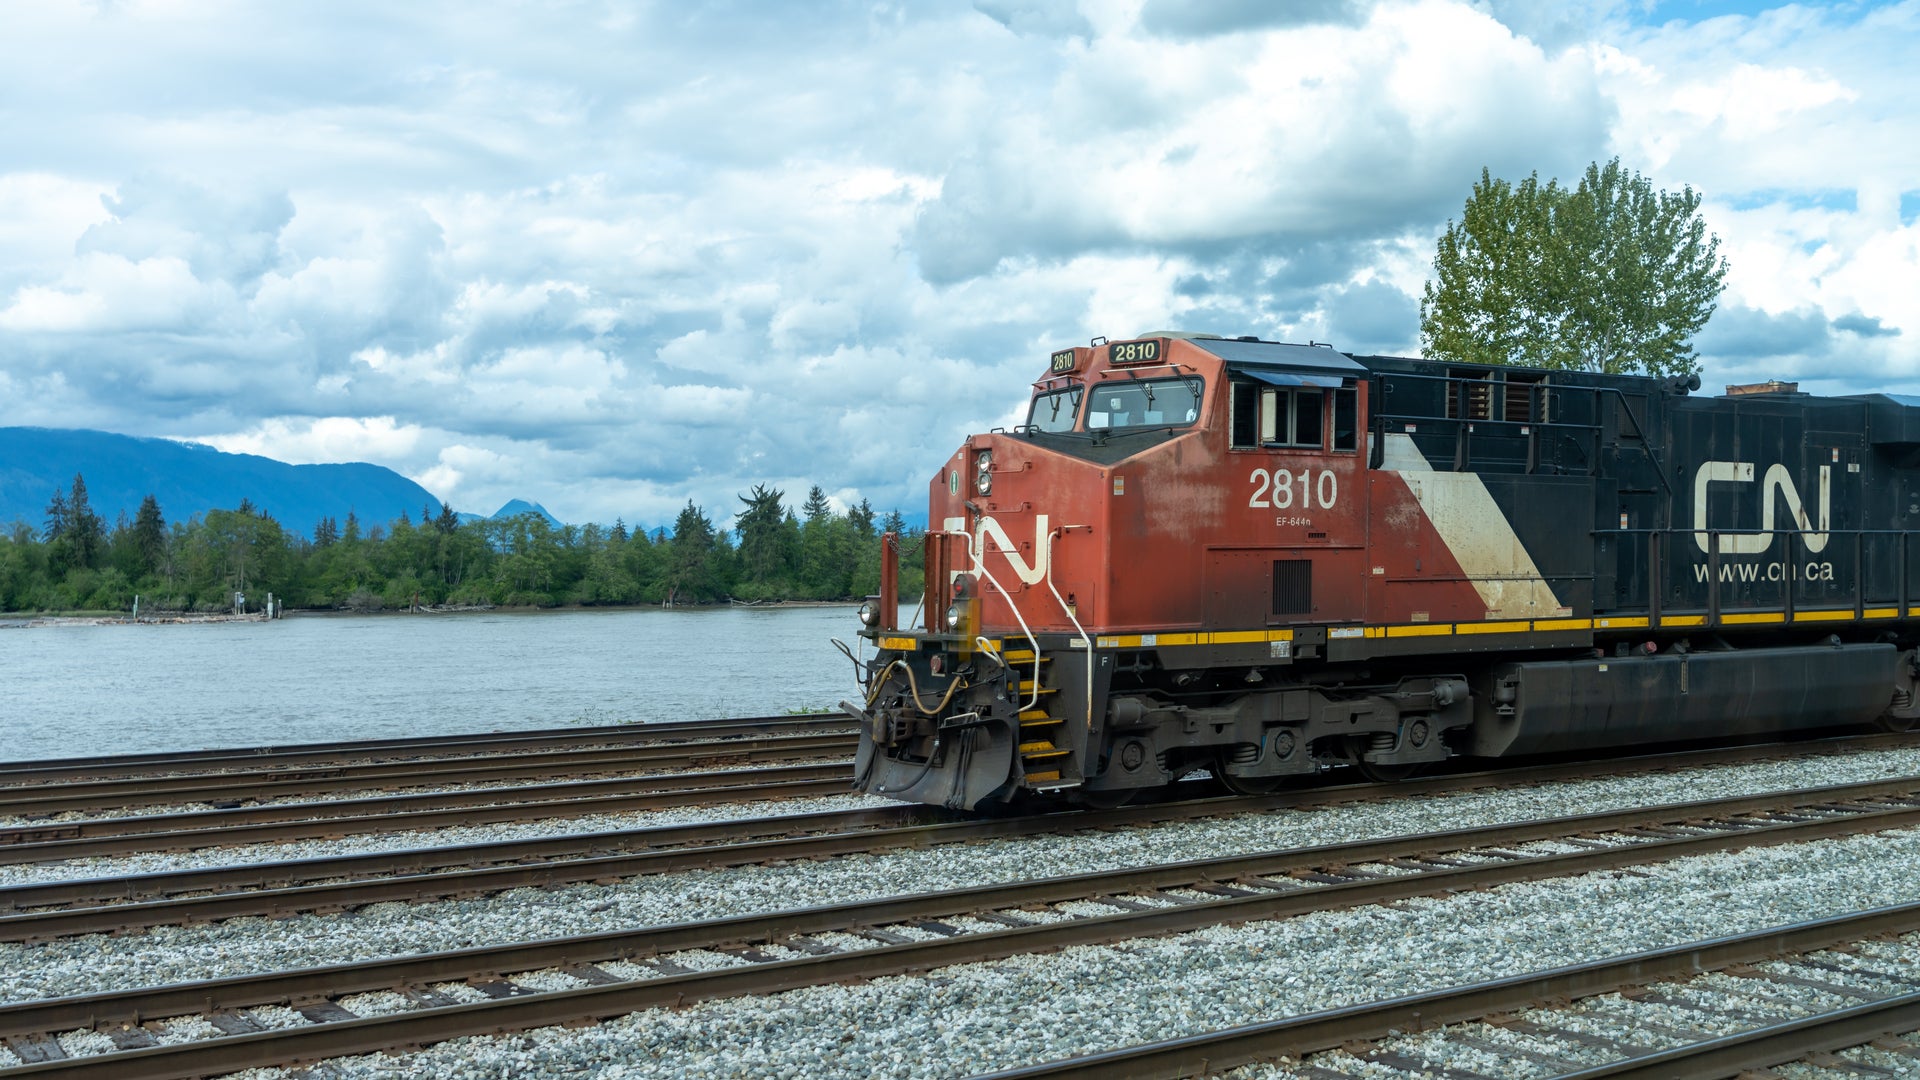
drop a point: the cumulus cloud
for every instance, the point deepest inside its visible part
(1356, 132)
(613, 259)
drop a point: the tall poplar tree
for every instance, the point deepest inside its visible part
(1609, 276)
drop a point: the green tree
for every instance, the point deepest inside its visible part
(690, 573)
(822, 574)
(57, 518)
(76, 536)
(764, 563)
(1610, 276)
(149, 535)
(89, 532)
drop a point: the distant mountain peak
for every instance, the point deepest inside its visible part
(516, 507)
(190, 479)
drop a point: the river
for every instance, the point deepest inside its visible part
(70, 690)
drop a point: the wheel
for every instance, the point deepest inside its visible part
(1245, 785)
(1379, 774)
(1110, 800)
(1897, 724)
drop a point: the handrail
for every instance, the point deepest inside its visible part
(979, 565)
(1788, 582)
(1086, 642)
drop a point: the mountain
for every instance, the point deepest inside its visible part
(190, 479)
(516, 507)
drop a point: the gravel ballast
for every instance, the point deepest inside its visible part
(978, 1017)
(239, 946)
(30, 873)
(162, 806)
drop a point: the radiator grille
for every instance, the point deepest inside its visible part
(1293, 586)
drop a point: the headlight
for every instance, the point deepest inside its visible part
(983, 473)
(869, 612)
(953, 616)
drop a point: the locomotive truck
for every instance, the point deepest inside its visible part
(1265, 559)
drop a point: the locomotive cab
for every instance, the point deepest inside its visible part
(1107, 582)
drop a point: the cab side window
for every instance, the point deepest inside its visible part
(1346, 418)
(1277, 416)
(1245, 416)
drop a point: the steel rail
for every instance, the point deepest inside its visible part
(88, 767)
(236, 992)
(565, 790)
(62, 797)
(592, 1003)
(657, 794)
(1298, 1036)
(1774, 1044)
(83, 796)
(101, 905)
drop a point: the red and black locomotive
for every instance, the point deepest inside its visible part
(1263, 559)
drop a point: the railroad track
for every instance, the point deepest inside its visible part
(281, 822)
(1752, 987)
(433, 996)
(60, 908)
(374, 751)
(234, 790)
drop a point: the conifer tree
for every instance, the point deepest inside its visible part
(149, 534)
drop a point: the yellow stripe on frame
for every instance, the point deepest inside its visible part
(1563, 624)
(1421, 630)
(1739, 618)
(904, 644)
(1881, 613)
(1492, 627)
(1635, 622)
(1220, 637)
(1822, 616)
(1683, 620)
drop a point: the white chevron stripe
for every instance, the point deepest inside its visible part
(1478, 535)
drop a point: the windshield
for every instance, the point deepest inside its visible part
(1146, 403)
(1055, 411)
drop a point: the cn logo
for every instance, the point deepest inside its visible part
(1776, 487)
(990, 538)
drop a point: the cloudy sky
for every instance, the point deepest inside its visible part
(613, 256)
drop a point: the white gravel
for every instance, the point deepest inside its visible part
(979, 1017)
(239, 946)
(1708, 1006)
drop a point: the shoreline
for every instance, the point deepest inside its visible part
(32, 620)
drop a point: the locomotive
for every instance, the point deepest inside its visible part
(1264, 559)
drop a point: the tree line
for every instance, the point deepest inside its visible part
(76, 562)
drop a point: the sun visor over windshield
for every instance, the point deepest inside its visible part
(1285, 378)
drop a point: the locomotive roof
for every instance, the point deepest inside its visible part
(1252, 356)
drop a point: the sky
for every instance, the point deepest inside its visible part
(613, 257)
